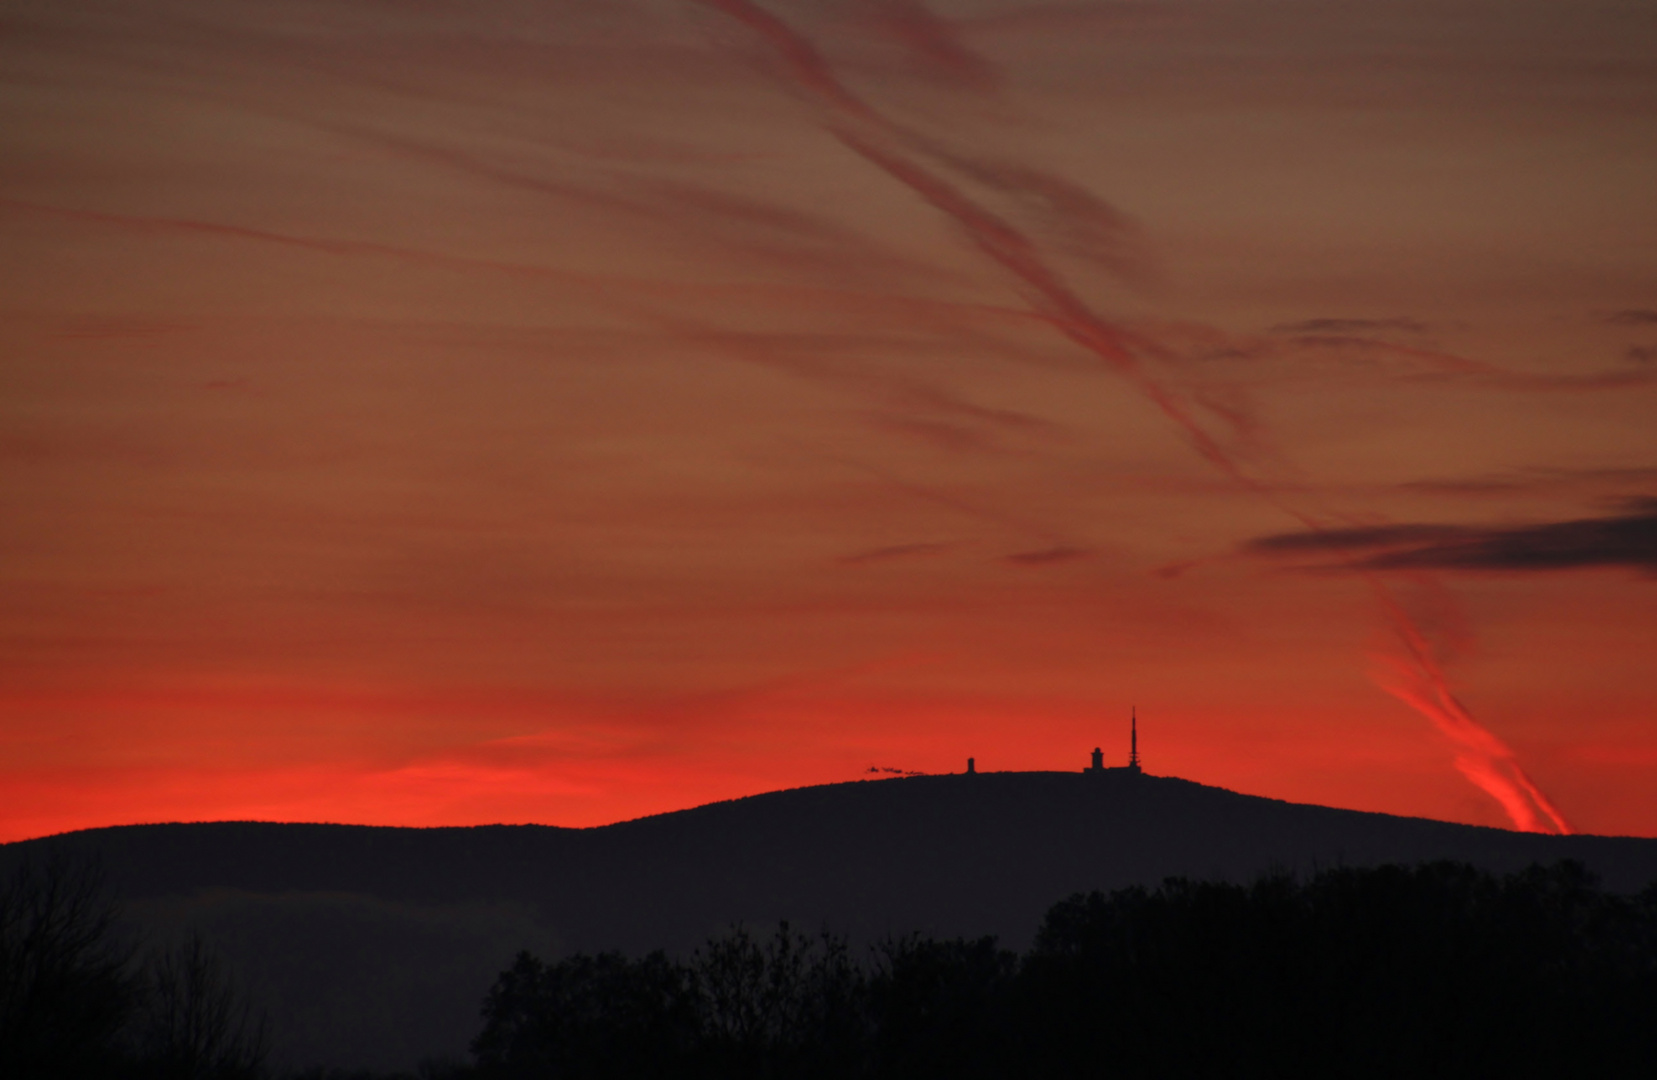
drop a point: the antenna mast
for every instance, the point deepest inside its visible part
(1133, 746)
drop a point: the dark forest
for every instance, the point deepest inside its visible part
(1436, 970)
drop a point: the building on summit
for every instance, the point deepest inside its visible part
(1098, 765)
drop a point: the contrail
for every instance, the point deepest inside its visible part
(1000, 241)
(1482, 757)
(883, 143)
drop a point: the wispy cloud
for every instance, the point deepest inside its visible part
(1414, 676)
(1413, 363)
(955, 187)
(1350, 326)
(1579, 482)
(935, 47)
(1048, 556)
(551, 346)
(1627, 540)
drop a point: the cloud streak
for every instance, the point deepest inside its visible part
(1048, 556)
(1350, 326)
(1626, 540)
(1415, 678)
(633, 352)
(894, 151)
(1424, 365)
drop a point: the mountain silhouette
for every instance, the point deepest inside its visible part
(372, 947)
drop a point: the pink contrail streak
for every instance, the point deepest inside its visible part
(1482, 757)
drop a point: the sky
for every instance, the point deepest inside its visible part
(439, 413)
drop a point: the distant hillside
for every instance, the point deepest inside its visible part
(373, 946)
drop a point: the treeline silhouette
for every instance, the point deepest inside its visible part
(1438, 970)
(78, 1001)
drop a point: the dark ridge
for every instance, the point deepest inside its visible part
(419, 921)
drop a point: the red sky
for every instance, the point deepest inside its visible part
(440, 413)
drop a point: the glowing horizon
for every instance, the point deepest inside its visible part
(558, 414)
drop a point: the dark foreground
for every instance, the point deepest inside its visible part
(1437, 970)
(370, 948)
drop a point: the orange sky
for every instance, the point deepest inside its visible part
(440, 413)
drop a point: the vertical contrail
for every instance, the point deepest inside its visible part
(1481, 756)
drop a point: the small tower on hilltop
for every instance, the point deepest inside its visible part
(1133, 743)
(972, 767)
(1098, 765)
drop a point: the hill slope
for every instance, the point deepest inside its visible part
(373, 946)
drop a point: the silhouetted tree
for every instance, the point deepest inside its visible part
(941, 1008)
(75, 1002)
(588, 1016)
(65, 989)
(428, 1069)
(791, 1006)
(194, 1023)
(1435, 970)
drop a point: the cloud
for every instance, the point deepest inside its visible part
(892, 149)
(1627, 539)
(1351, 539)
(1072, 21)
(1068, 215)
(1632, 317)
(933, 43)
(155, 225)
(1425, 365)
(1642, 354)
(1577, 482)
(947, 421)
(712, 221)
(1349, 326)
(1047, 556)
(954, 186)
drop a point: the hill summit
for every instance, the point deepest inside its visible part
(323, 918)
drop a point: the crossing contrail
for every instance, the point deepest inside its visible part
(1482, 757)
